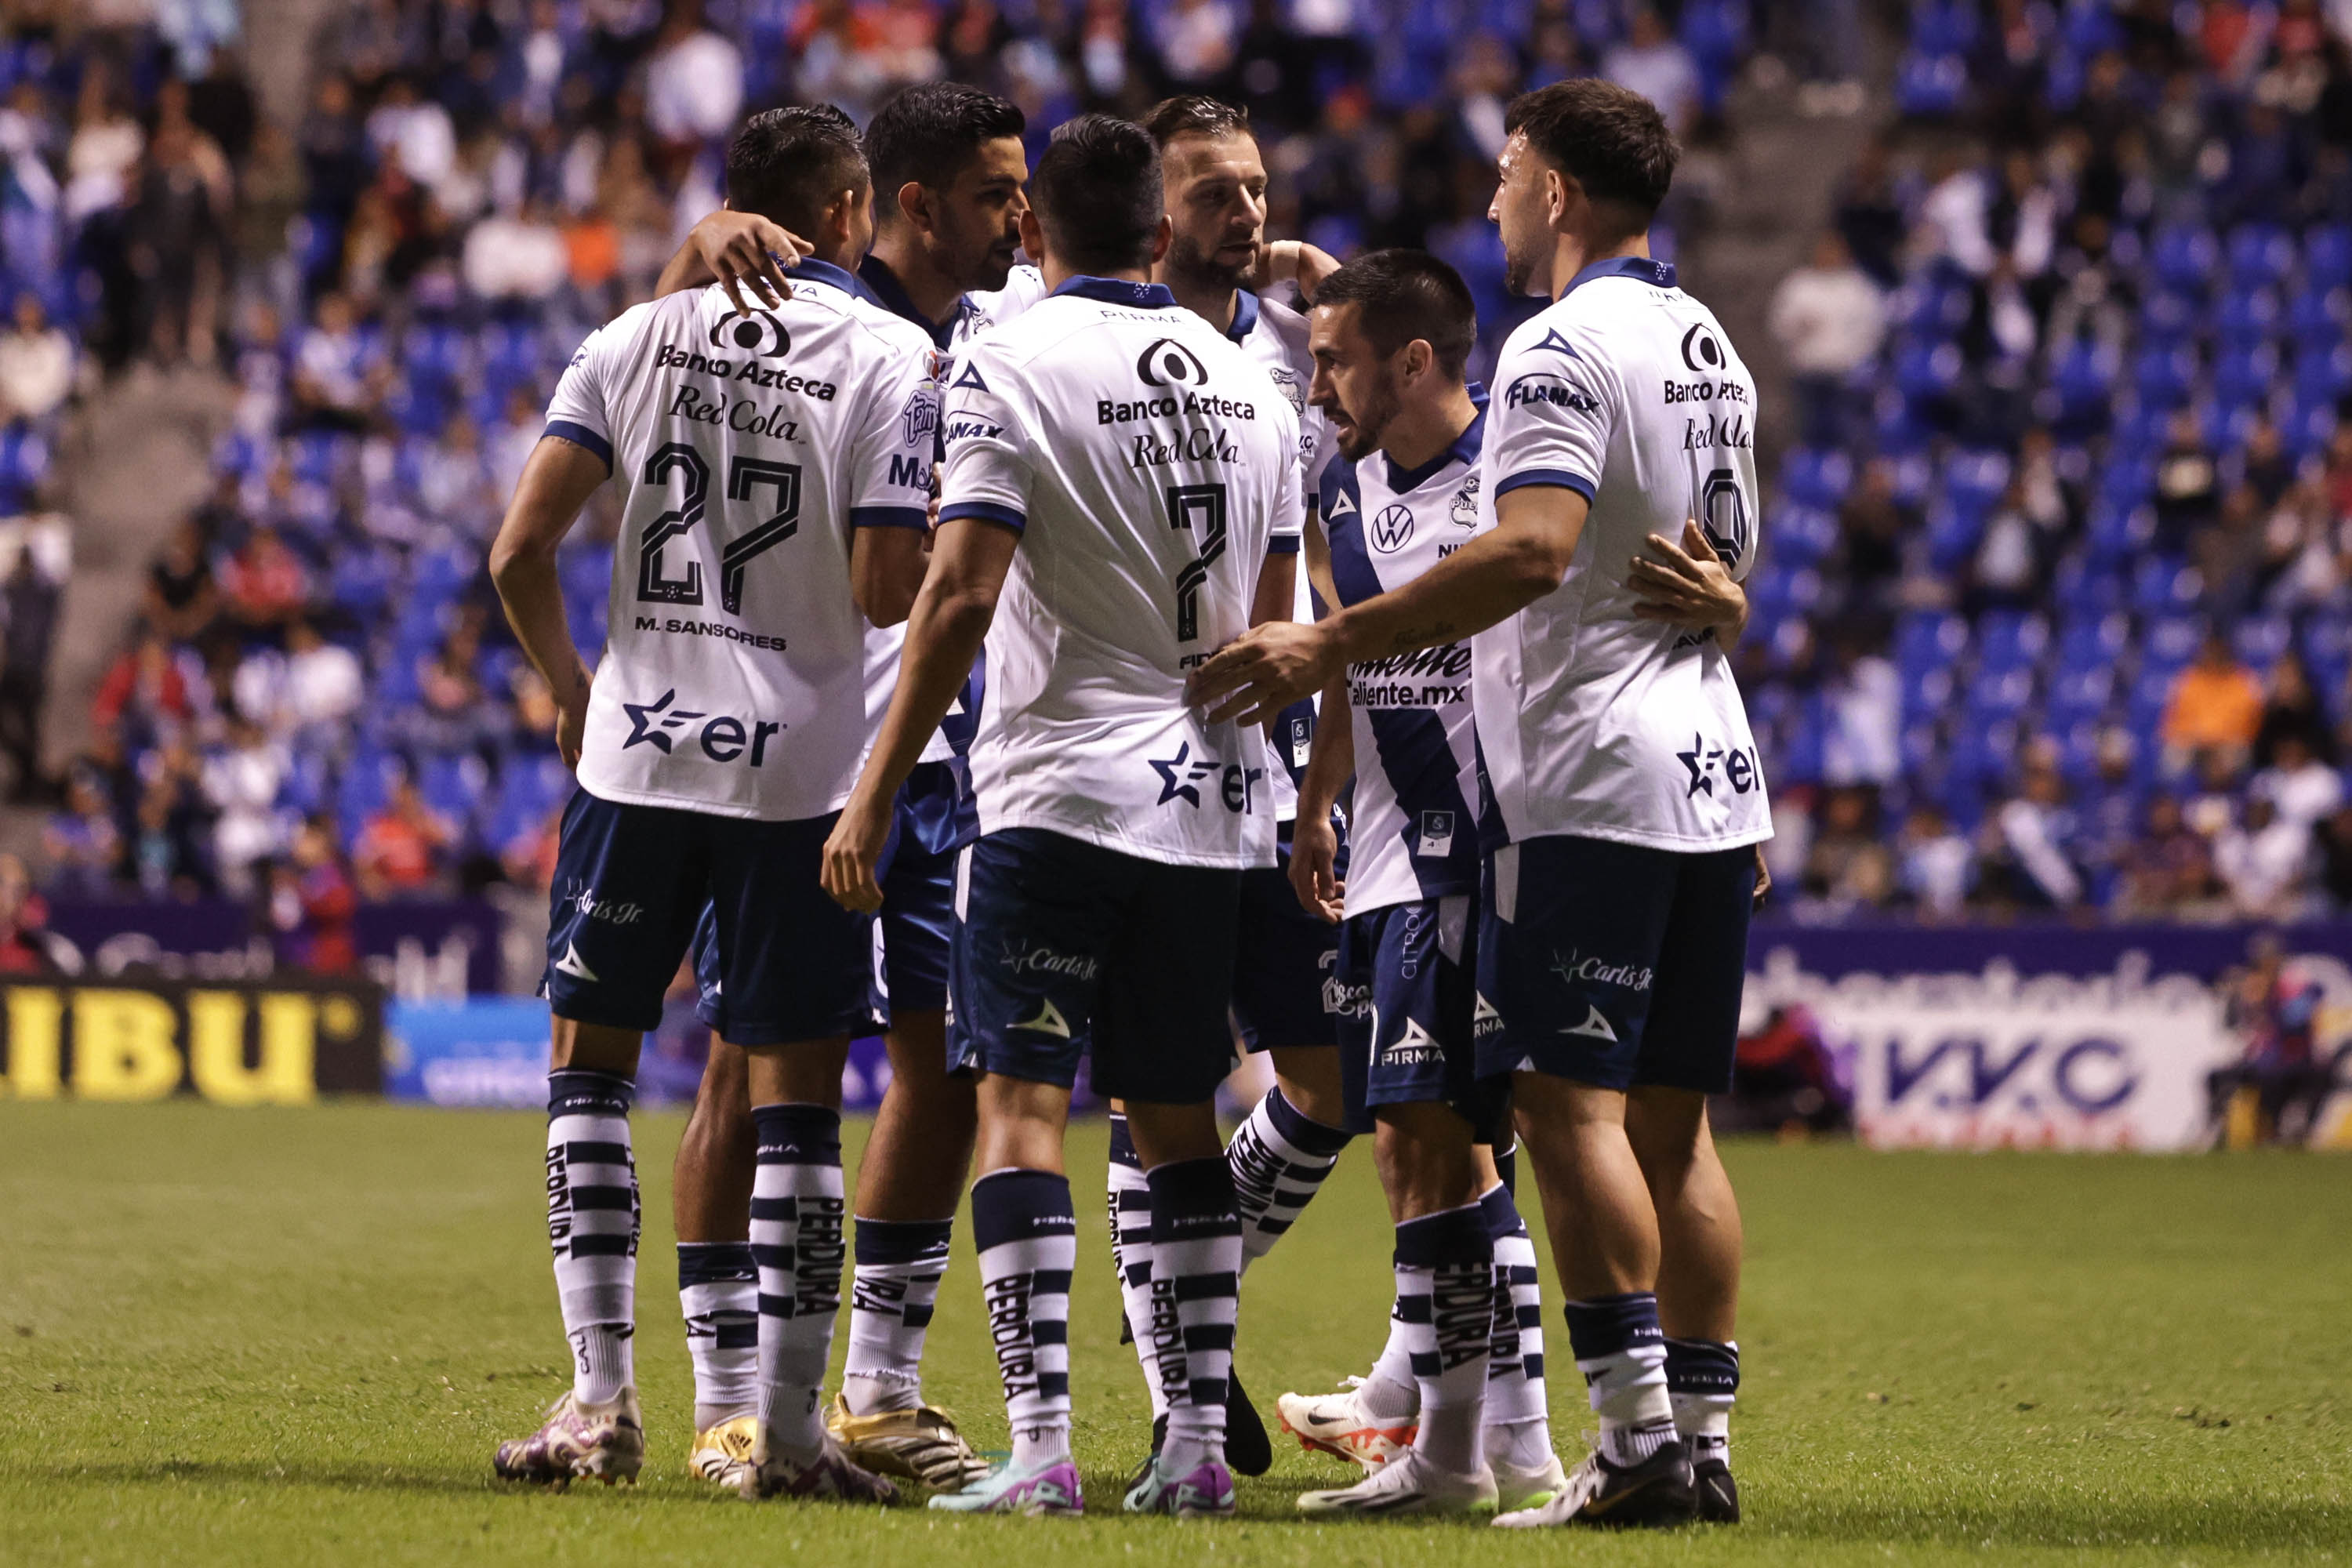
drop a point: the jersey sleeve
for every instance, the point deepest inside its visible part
(1553, 420)
(578, 412)
(892, 447)
(988, 468)
(1289, 521)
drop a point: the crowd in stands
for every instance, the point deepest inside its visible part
(2052, 608)
(2055, 601)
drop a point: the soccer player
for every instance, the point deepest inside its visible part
(774, 467)
(1126, 481)
(949, 165)
(1215, 183)
(1391, 335)
(1623, 771)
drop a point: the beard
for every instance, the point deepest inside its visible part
(1361, 435)
(1190, 261)
(1518, 268)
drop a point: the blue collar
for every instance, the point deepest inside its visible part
(1404, 481)
(882, 286)
(1245, 315)
(1118, 291)
(1640, 268)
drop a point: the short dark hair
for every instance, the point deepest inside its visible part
(929, 132)
(786, 163)
(1407, 294)
(1609, 139)
(1194, 114)
(1098, 193)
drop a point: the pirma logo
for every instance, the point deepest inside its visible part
(757, 332)
(1391, 528)
(1701, 351)
(1167, 363)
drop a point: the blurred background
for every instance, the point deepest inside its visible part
(2052, 664)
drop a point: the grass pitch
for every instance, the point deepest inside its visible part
(280, 1336)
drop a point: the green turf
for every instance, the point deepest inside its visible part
(296, 1335)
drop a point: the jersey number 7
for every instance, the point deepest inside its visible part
(1200, 510)
(744, 475)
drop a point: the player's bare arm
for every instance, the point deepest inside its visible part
(1688, 585)
(735, 250)
(1493, 577)
(886, 571)
(1315, 843)
(944, 633)
(1278, 590)
(556, 483)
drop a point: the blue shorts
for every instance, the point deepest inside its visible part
(1615, 964)
(631, 882)
(909, 960)
(1283, 993)
(1068, 950)
(1408, 993)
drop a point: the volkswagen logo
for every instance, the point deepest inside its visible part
(1391, 528)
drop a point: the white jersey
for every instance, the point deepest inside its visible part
(1594, 723)
(748, 448)
(1152, 468)
(1414, 821)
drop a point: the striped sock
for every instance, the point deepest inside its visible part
(899, 1263)
(796, 1242)
(1518, 1421)
(592, 1224)
(1130, 1253)
(1445, 1301)
(718, 1291)
(1027, 1235)
(1279, 1158)
(1623, 1355)
(1701, 1381)
(1196, 1262)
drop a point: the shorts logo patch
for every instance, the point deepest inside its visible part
(1436, 833)
(1578, 969)
(1039, 959)
(1484, 1020)
(1594, 1024)
(1416, 1049)
(570, 964)
(1048, 1021)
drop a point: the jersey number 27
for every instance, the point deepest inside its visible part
(744, 475)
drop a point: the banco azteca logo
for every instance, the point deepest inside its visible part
(1167, 363)
(754, 332)
(1701, 351)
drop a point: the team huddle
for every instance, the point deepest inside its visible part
(1091, 663)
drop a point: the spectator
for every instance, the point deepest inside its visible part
(1849, 868)
(1865, 702)
(162, 856)
(324, 684)
(311, 905)
(403, 847)
(516, 255)
(694, 81)
(2332, 841)
(2216, 705)
(145, 693)
(183, 600)
(335, 387)
(80, 841)
(28, 600)
(2014, 557)
(1874, 524)
(36, 364)
(2265, 862)
(2292, 709)
(1937, 866)
(1829, 320)
(1653, 63)
(2026, 857)
(2168, 873)
(2302, 788)
(2188, 486)
(24, 922)
(241, 781)
(263, 583)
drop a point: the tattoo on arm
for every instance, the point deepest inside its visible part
(1414, 638)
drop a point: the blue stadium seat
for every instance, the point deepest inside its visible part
(2244, 377)
(2161, 586)
(2319, 314)
(2184, 259)
(2327, 255)
(2248, 316)
(2081, 694)
(2260, 640)
(2168, 642)
(2010, 640)
(2164, 377)
(2260, 253)
(1927, 639)
(1931, 87)
(1812, 477)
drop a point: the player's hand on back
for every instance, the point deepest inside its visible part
(746, 255)
(851, 851)
(1685, 584)
(1255, 677)
(1313, 852)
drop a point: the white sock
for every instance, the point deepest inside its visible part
(1131, 1252)
(1445, 1301)
(797, 1211)
(592, 1224)
(1279, 1157)
(719, 1292)
(899, 1263)
(1196, 1264)
(1518, 1425)
(1703, 1381)
(1389, 1391)
(1622, 1355)
(1027, 1237)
